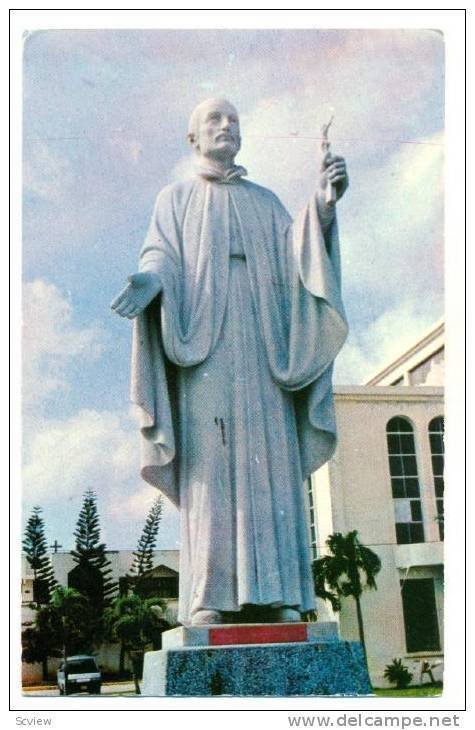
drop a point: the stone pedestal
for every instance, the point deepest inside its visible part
(276, 660)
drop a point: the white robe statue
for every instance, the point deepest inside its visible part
(231, 369)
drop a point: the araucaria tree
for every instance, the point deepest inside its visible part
(347, 570)
(92, 575)
(35, 548)
(143, 556)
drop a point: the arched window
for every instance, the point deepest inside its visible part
(404, 481)
(436, 438)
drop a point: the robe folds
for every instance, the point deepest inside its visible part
(231, 370)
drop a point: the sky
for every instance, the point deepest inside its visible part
(105, 117)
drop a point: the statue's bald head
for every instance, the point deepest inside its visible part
(204, 107)
(213, 130)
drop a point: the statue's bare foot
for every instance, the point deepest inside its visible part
(287, 615)
(201, 618)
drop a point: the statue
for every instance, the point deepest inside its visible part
(237, 320)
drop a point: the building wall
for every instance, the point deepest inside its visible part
(120, 560)
(353, 492)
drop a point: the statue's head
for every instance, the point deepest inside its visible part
(213, 130)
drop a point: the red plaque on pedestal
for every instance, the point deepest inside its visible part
(257, 634)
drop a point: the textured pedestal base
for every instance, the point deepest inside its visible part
(303, 668)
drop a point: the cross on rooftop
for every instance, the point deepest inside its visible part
(55, 546)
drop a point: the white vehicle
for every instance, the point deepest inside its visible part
(79, 674)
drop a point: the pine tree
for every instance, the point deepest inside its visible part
(36, 550)
(143, 556)
(92, 577)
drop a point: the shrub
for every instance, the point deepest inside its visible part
(397, 673)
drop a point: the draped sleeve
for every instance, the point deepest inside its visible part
(301, 313)
(187, 246)
(151, 378)
(318, 330)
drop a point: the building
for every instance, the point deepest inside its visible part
(386, 481)
(422, 364)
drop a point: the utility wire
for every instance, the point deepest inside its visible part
(386, 544)
(318, 547)
(296, 137)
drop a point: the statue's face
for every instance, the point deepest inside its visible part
(216, 132)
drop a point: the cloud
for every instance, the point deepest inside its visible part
(183, 169)
(95, 450)
(51, 342)
(46, 172)
(393, 224)
(382, 341)
(132, 91)
(91, 448)
(131, 150)
(134, 509)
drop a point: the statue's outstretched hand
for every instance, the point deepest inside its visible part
(139, 292)
(333, 172)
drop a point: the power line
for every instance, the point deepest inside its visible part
(318, 547)
(295, 137)
(345, 139)
(384, 544)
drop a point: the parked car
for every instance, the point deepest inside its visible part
(79, 674)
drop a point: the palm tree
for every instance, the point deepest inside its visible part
(72, 614)
(397, 673)
(347, 570)
(61, 627)
(39, 641)
(138, 623)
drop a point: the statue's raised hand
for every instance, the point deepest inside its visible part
(139, 292)
(333, 172)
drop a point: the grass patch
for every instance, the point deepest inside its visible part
(424, 690)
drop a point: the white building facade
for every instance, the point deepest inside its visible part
(386, 481)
